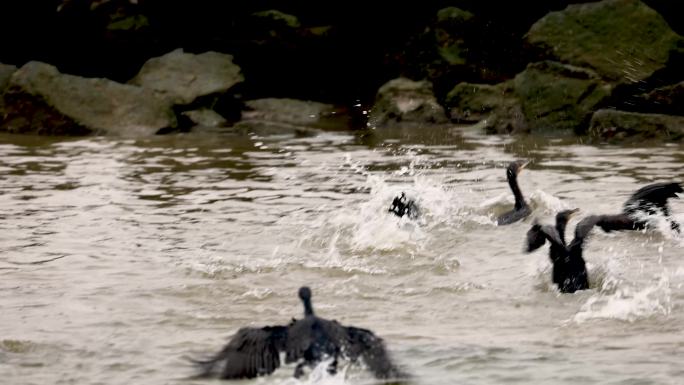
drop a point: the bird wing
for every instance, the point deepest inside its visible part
(654, 194)
(363, 343)
(582, 231)
(538, 234)
(250, 353)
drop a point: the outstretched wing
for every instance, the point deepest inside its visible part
(250, 353)
(582, 231)
(538, 234)
(655, 194)
(363, 343)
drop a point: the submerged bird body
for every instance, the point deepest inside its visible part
(401, 206)
(569, 268)
(521, 209)
(254, 352)
(647, 200)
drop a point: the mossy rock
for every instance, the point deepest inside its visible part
(403, 100)
(470, 102)
(624, 41)
(556, 96)
(613, 125)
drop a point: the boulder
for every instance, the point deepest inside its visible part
(40, 99)
(205, 117)
(183, 77)
(470, 102)
(6, 72)
(403, 100)
(666, 100)
(556, 96)
(545, 96)
(623, 41)
(270, 116)
(616, 125)
(450, 31)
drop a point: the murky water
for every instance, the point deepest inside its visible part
(120, 258)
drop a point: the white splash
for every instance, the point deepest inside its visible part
(628, 304)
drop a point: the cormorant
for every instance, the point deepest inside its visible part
(521, 209)
(569, 269)
(401, 206)
(255, 352)
(648, 200)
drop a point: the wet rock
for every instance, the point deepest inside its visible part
(183, 77)
(205, 117)
(556, 96)
(403, 101)
(40, 99)
(468, 102)
(507, 119)
(6, 72)
(664, 100)
(624, 41)
(545, 96)
(271, 116)
(616, 125)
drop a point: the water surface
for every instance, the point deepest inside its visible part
(121, 257)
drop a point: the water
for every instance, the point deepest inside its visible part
(120, 258)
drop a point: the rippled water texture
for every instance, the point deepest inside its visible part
(121, 258)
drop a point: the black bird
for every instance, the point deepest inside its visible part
(521, 210)
(401, 206)
(255, 352)
(569, 268)
(648, 200)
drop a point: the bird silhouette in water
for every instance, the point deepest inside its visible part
(254, 352)
(569, 268)
(401, 206)
(521, 209)
(647, 200)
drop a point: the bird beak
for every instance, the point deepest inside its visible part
(523, 165)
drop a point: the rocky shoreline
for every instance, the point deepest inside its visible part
(610, 69)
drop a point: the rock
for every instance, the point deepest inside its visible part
(40, 99)
(450, 31)
(624, 41)
(556, 96)
(664, 100)
(507, 119)
(620, 125)
(183, 77)
(469, 102)
(403, 100)
(284, 116)
(205, 117)
(545, 96)
(6, 72)
(274, 19)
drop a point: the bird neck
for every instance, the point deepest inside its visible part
(561, 224)
(519, 200)
(308, 309)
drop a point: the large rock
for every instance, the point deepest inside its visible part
(6, 72)
(451, 29)
(271, 116)
(403, 100)
(183, 77)
(40, 99)
(666, 100)
(555, 96)
(545, 96)
(620, 125)
(624, 41)
(469, 102)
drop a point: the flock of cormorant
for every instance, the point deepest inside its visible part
(254, 352)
